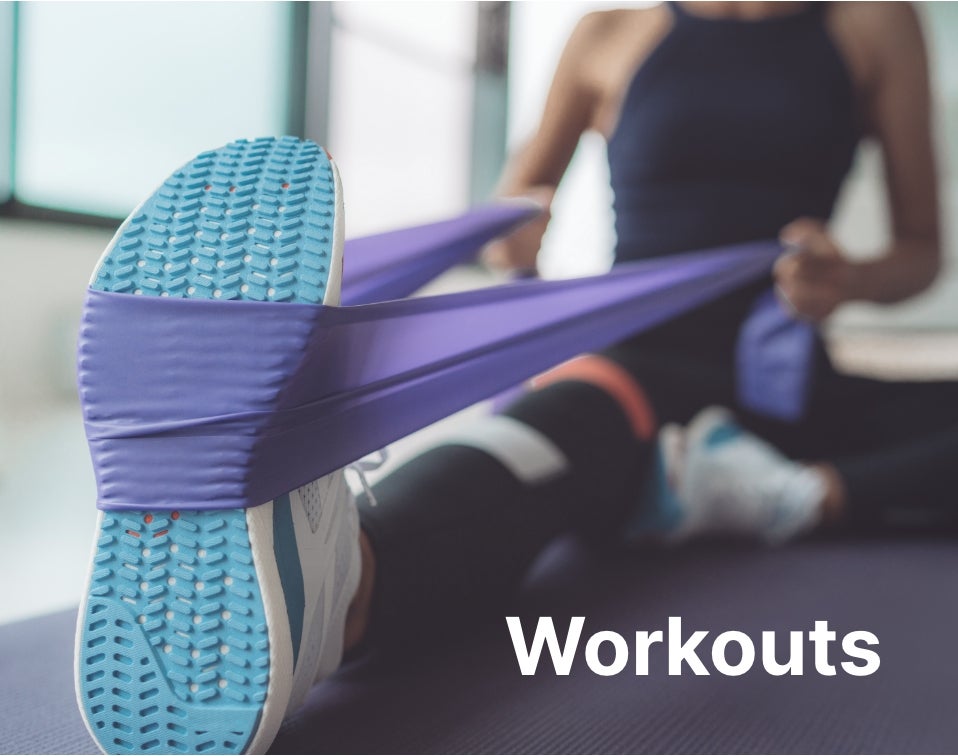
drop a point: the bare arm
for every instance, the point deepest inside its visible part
(819, 278)
(536, 169)
(901, 116)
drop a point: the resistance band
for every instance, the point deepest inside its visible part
(212, 404)
(774, 353)
(774, 363)
(394, 264)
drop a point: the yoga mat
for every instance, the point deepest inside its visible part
(212, 404)
(422, 705)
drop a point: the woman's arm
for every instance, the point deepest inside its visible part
(897, 98)
(536, 169)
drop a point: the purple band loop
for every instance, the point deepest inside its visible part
(394, 264)
(211, 404)
(775, 360)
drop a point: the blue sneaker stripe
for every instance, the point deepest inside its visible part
(290, 569)
(659, 511)
(720, 434)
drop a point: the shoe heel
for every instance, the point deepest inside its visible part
(173, 648)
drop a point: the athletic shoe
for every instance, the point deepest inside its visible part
(660, 514)
(735, 483)
(200, 631)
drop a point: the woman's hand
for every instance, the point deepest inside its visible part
(518, 251)
(815, 278)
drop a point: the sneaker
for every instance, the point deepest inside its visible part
(660, 515)
(199, 631)
(735, 483)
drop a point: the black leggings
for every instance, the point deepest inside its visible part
(455, 529)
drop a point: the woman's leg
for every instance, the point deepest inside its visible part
(903, 467)
(871, 453)
(456, 528)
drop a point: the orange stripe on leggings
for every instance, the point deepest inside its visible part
(613, 380)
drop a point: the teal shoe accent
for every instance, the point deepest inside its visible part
(659, 510)
(290, 571)
(721, 434)
(173, 651)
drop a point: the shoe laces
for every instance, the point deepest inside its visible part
(367, 464)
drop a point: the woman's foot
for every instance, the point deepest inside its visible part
(735, 483)
(201, 628)
(714, 478)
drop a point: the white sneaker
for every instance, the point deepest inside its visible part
(200, 631)
(735, 483)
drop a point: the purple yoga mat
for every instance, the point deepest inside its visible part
(210, 404)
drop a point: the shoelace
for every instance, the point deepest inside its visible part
(369, 463)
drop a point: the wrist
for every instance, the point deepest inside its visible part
(858, 282)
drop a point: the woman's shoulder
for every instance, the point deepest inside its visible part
(877, 34)
(601, 25)
(612, 39)
(605, 49)
(874, 17)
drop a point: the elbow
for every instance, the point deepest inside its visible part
(933, 262)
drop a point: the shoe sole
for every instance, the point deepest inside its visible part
(183, 640)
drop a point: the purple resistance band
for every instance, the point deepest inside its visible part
(774, 361)
(210, 404)
(394, 264)
(774, 351)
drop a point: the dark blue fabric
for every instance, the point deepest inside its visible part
(729, 130)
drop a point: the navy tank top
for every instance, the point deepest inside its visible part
(729, 130)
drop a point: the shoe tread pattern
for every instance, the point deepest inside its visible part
(174, 650)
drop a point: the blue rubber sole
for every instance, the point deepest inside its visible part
(173, 647)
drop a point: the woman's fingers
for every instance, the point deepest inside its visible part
(804, 266)
(519, 250)
(806, 302)
(810, 235)
(813, 277)
(814, 268)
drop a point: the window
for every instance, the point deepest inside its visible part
(7, 53)
(401, 110)
(99, 100)
(111, 95)
(580, 238)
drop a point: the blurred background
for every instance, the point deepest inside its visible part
(419, 102)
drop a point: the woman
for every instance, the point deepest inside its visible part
(725, 122)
